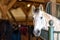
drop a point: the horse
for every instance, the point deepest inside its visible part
(41, 21)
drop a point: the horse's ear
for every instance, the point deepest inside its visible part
(33, 7)
(41, 7)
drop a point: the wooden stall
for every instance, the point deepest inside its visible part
(19, 12)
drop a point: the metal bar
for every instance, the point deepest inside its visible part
(57, 36)
(51, 31)
(51, 34)
(56, 31)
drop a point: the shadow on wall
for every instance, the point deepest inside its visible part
(6, 31)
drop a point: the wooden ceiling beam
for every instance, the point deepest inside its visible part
(58, 1)
(4, 8)
(11, 4)
(33, 1)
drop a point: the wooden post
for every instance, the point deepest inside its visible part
(51, 30)
(53, 7)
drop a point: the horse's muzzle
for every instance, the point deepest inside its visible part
(37, 33)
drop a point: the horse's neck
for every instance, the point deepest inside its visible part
(48, 16)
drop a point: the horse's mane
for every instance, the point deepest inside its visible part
(49, 16)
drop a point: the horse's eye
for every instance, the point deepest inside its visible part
(32, 18)
(41, 17)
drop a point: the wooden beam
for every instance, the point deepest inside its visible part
(58, 1)
(4, 8)
(11, 4)
(32, 2)
(35, 0)
(4, 11)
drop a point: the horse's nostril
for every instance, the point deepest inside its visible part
(41, 17)
(38, 31)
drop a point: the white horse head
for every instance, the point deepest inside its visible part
(39, 20)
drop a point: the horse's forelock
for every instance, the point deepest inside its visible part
(36, 10)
